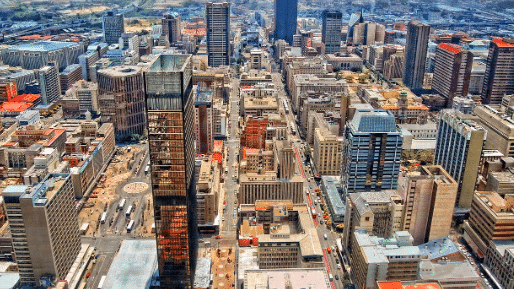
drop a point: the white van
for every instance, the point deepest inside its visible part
(325, 236)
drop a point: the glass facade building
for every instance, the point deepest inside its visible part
(331, 30)
(170, 109)
(285, 19)
(372, 152)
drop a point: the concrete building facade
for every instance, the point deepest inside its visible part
(327, 154)
(218, 33)
(113, 26)
(331, 30)
(416, 52)
(499, 71)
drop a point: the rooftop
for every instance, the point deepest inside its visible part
(42, 46)
(134, 265)
(453, 48)
(9, 280)
(169, 62)
(373, 121)
(287, 278)
(502, 43)
(47, 189)
(408, 285)
(438, 248)
(203, 273)
(337, 204)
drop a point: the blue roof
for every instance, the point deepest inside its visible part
(15, 189)
(374, 121)
(42, 46)
(70, 68)
(335, 199)
(438, 248)
(9, 280)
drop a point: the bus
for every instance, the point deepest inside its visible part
(286, 107)
(122, 204)
(102, 281)
(313, 212)
(330, 277)
(293, 129)
(129, 211)
(130, 226)
(104, 216)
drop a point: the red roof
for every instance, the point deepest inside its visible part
(400, 285)
(502, 43)
(26, 98)
(453, 48)
(15, 106)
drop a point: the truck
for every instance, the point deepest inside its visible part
(122, 204)
(101, 283)
(130, 226)
(330, 277)
(83, 228)
(103, 218)
(129, 211)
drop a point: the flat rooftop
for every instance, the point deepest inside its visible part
(42, 46)
(286, 278)
(169, 62)
(134, 265)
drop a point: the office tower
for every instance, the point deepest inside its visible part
(285, 20)
(491, 219)
(44, 228)
(130, 41)
(218, 33)
(452, 71)
(170, 110)
(171, 27)
(49, 84)
(203, 121)
(69, 76)
(379, 213)
(368, 33)
(499, 71)
(355, 19)
(415, 54)
(286, 159)
(327, 152)
(458, 151)
(113, 26)
(371, 152)
(429, 200)
(331, 31)
(121, 99)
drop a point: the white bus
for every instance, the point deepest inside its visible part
(104, 217)
(102, 281)
(330, 277)
(293, 128)
(122, 204)
(130, 226)
(129, 211)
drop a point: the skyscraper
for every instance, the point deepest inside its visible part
(44, 228)
(171, 139)
(122, 99)
(415, 55)
(285, 19)
(218, 29)
(371, 152)
(458, 151)
(113, 26)
(171, 27)
(49, 83)
(499, 71)
(452, 71)
(331, 30)
(203, 121)
(429, 200)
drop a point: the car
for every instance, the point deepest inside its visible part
(310, 187)
(337, 277)
(223, 219)
(235, 202)
(321, 222)
(335, 254)
(338, 266)
(337, 261)
(217, 237)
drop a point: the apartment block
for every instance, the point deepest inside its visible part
(44, 227)
(49, 84)
(171, 27)
(203, 121)
(284, 225)
(459, 150)
(267, 186)
(121, 98)
(499, 71)
(491, 219)
(207, 187)
(327, 154)
(452, 71)
(379, 213)
(429, 197)
(70, 75)
(379, 259)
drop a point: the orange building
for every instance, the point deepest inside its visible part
(254, 133)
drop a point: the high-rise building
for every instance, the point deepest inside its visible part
(218, 33)
(452, 71)
(203, 121)
(368, 33)
(458, 151)
(130, 41)
(121, 98)
(285, 20)
(171, 27)
(355, 19)
(44, 228)
(415, 54)
(499, 71)
(331, 30)
(491, 219)
(429, 200)
(113, 26)
(286, 159)
(69, 76)
(371, 152)
(170, 110)
(49, 83)
(327, 152)
(8, 90)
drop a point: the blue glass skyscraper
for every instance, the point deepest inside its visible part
(372, 152)
(285, 19)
